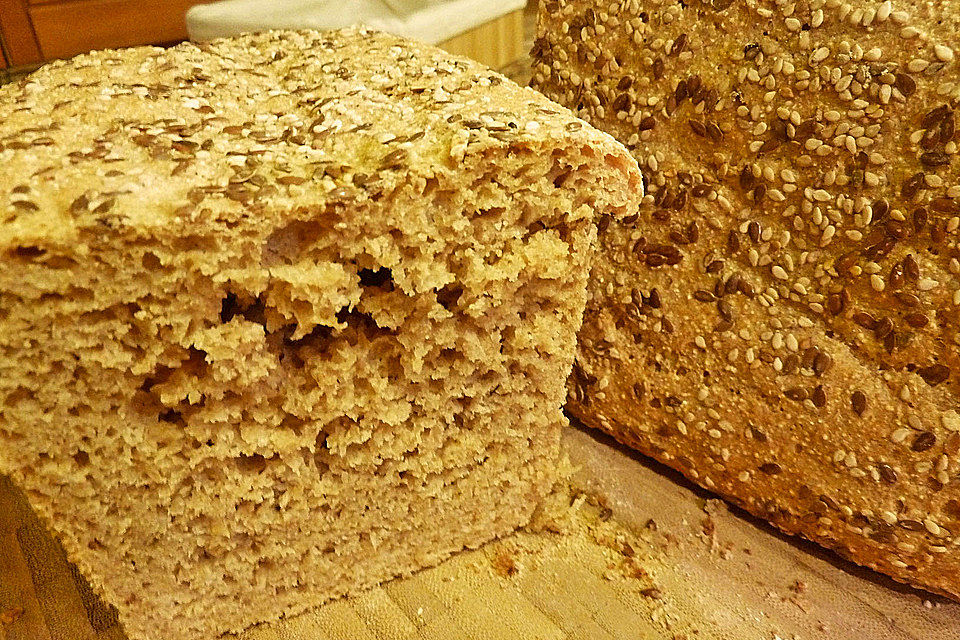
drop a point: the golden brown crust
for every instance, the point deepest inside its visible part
(168, 136)
(779, 322)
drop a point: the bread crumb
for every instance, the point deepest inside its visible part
(504, 563)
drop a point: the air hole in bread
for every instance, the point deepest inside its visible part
(381, 278)
(16, 397)
(449, 296)
(28, 253)
(251, 464)
(194, 243)
(172, 416)
(289, 243)
(151, 262)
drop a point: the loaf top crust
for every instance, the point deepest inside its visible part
(821, 134)
(150, 137)
(780, 321)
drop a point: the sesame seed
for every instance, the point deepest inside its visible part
(950, 420)
(943, 53)
(884, 11)
(900, 435)
(777, 341)
(792, 342)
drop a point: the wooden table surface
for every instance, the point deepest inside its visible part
(671, 563)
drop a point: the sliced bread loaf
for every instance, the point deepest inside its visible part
(286, 315)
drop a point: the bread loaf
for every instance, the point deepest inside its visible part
(286, 315)
(779, 320)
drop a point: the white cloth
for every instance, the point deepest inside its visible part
(405, 7)
(429, 21)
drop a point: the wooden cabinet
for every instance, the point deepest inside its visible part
(32, 31)
(16, 34)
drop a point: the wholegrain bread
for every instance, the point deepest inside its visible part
(286, 315)
(779, 320)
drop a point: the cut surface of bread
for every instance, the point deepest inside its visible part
(286, 315)
(779, 321)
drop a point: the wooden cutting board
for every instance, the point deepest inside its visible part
(640, 554)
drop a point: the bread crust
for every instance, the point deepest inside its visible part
(147, 137)
(779, 321)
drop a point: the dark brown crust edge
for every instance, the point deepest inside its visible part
(787, 522)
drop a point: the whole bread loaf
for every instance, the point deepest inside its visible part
(286, 315)
(780, 319)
